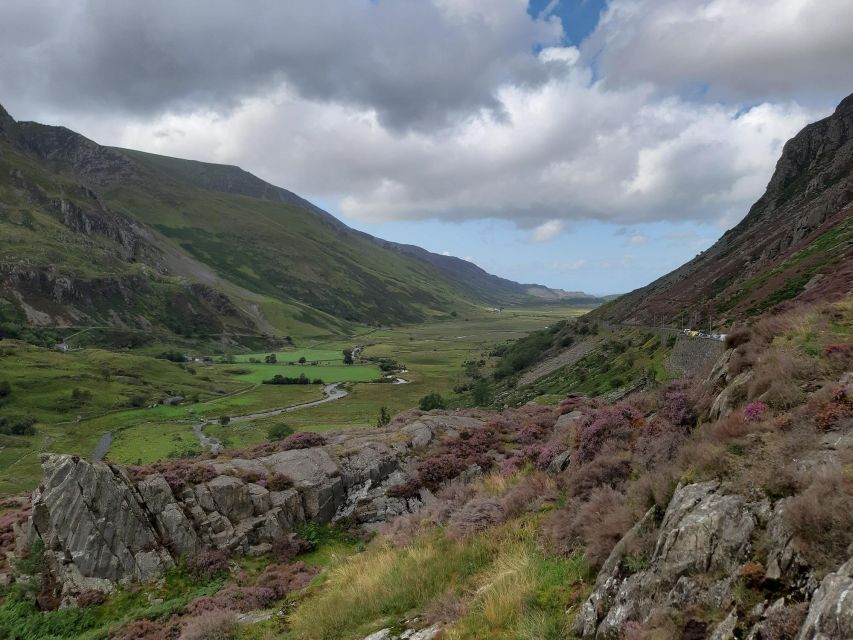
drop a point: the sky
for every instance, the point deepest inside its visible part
(588, 145)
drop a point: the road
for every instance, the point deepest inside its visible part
(331, 392)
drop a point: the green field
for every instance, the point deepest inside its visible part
(323, 356)
(43, 380)
(257, 373)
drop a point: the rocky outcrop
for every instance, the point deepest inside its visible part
(99, 526)
(703, 532)
(702, 551)
(830, 615)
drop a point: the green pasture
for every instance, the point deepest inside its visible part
(43, 381)
(257, 373)
(322, 356)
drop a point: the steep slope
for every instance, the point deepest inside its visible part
(67, 258)
(272, 261)
(796, 242)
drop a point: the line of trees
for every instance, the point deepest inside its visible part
(302, 379)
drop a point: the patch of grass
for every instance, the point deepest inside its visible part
(257, 373)
(324, 356)
(20, 619)
(504, 582)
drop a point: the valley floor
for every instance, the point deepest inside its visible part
(78, 396)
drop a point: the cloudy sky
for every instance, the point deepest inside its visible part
(583, 144)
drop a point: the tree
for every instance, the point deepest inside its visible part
(278, 431)
(271, 359)
(302, 360)
(481, 393)
(348, 356)
(432, 401)
(223, 420)
(384, 417)
(5, 388)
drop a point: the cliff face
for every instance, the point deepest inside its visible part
(794, 244)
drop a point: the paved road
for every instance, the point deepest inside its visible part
(332, 392)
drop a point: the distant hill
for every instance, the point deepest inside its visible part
(93, 235)
(795, 244)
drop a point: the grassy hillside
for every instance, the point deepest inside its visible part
(103, 237)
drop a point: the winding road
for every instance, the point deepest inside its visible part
(331, 392)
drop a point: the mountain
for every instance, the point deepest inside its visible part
(794, 246)
(101, 236)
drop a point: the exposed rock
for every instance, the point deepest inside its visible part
(730, 396)
(93, 525)
(702, 532)
(568, 419)
(726, 629)
(830, 615)
(409, 634)
(100, 527)
(784, 561)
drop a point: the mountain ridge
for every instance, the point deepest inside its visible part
(795, 244)
(225, 250)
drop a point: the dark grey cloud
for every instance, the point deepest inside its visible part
(417, 64)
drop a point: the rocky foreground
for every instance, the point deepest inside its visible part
(100, 526)
(690, 558)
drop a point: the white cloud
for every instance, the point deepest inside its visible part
(728, 48)
(565, 55)
(445, 253)
(546, 231)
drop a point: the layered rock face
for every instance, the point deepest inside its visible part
(99, 526)
(700, 548)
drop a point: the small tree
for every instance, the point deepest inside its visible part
(224, 420)
(278, 431)
(432, 401)
(481, 393)
(271, 359)
(348, 356)
(384, 417)
(302, 360)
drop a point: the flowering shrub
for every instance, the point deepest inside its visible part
(411, 488)
(438, 469)
(178, 473)
(8, 521)
(279, 482)
(675, 406)
(91, 598)
(220, 624)
(288, 547)
(613, 423)
(511, 465)
(840, 406)
(250, 475)
(208, 563)
(303, 440)
(142, 630)
(575, 402)
(839, 349)
(273, 583)
(755, 411)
